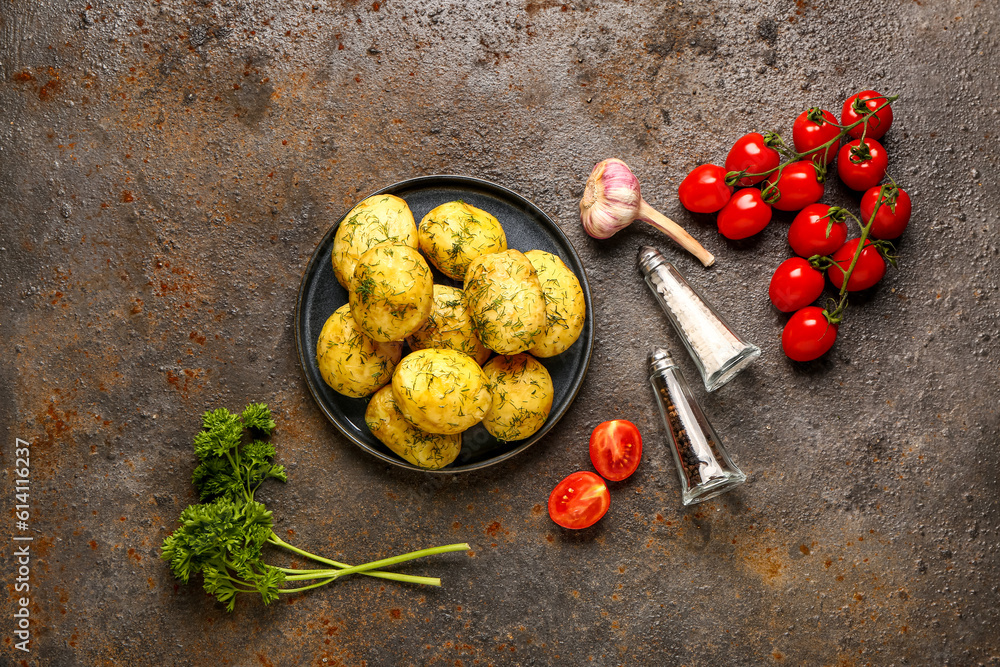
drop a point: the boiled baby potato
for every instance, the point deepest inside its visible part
(440, 391)
(454, 234)
(506, 300)
(449, 326)
(565, 308)
(376, 220)
(427, 450)
(522, 396)
(392, 292)
(349, 361)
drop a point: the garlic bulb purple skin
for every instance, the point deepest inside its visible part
(612, 200)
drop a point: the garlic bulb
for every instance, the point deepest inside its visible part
(612, 200)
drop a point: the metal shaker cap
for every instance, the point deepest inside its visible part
(659, 360)
(649, 258)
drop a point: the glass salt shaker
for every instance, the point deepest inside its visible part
(703, 464)
(716, 349)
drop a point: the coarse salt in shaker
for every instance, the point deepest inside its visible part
(716, 349)
(703, 464)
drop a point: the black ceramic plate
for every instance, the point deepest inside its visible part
(527, 228)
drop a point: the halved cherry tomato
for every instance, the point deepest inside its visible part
(868, 271)
(745, 214)
(812, 129)
(862, 166)
(798, 186)
(893, 215)
(795, 284)
(616, 449)
(857, 104)
(579, 501)
(751, 154)
(807, 233)
(704, 190)
(808, 335)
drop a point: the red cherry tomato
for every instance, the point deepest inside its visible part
(616, 449)
(795, 284)
(892, 216)
(812, 129)
(745, 214)
(751, 154)
(857, 104)
(808, 335)
(868, 271)
(579, 501)
(807, 233)
(797, 186)
(704, 190)
(861, 168)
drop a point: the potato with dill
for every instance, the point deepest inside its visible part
(454, 234)
(565, 307)
(392, 292)
(449, 326)
(349, 361)
(376, 220)
(440, 391)
(427, 450)
(522, 396)
(506, 300)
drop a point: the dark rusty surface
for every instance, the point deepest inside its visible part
(168, 167)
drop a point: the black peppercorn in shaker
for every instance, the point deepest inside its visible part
(703, 464)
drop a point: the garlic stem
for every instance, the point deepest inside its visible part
(649, 214)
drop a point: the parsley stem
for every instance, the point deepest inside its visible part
(402, 558)
(277, 541)
(306, 588)
(344, 568)
(393, 576)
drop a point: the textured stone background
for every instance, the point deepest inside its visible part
(168, 167)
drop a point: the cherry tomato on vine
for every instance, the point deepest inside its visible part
(616, 449)
(751, 154)
(857, 104)
(797, 184)
(868, 271)
(795, 284)
(807, 234)
(704, 190)
(862, 166)
(808, 335)
(579, 501)
(893, 215)
(812, 129)
(745, 214)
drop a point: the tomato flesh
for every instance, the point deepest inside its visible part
(616, 449)
(808, 335)
(704, 190)
(807, 233)
(579, 501)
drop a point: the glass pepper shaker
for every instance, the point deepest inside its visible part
(703, 464)
(716, 349)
